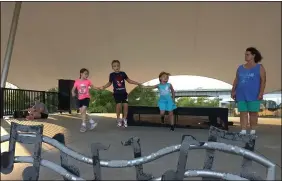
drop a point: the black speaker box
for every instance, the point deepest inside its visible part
(66, 101)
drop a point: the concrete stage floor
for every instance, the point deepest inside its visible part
(152, 139)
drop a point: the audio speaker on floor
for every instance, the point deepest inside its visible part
(66, 101)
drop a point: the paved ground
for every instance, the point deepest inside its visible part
(152, 139)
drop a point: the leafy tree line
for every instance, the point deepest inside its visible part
(102, 101)
(197, 102)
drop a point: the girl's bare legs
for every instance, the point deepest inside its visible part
(162, 113)
(171, 118)
(83, 118)
(253, 122)
(244, 122)
(124, 116)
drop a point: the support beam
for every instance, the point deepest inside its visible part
(10, 45)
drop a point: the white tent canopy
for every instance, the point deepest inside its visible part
(55, 39)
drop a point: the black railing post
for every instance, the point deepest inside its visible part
(44, 98)
(2, 102)
(12, 100)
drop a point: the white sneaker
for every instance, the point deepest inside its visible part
(93, 124)
(83, 128)
(243, 132)
(119, 122)
(125, 123)
(253, 132)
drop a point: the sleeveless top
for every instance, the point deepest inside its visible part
(248, 84)
(164, 90)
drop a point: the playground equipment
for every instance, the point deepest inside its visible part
(33, 135)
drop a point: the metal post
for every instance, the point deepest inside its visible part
(2, 102)
(10, 45)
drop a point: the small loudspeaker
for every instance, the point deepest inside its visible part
(66, 101)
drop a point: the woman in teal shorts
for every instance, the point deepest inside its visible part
(248, 89)
(167, 96)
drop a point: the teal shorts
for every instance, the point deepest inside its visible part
(248, 106)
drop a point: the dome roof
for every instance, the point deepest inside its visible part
(191, 82)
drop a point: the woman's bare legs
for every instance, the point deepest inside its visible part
(253, 122)
(244, 122)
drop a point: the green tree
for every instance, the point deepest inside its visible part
(142, 97)
(51, 99)
(213, 102)
(270, 104)
(102, 101)
(202, 101)
(186, 102)
(199, 101)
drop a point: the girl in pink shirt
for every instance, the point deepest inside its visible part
(83, 85)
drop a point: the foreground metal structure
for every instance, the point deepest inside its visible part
(33, 135)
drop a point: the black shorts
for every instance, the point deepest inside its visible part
(120, 97)
(83, 102)
(44, 116)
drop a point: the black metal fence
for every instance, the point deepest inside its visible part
(19, 99)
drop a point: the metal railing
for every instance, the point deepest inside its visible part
(201, 92)
(19, 99)
(71, 172)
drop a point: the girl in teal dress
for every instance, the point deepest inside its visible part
(166, 101)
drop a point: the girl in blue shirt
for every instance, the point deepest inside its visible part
(167, 96)
(248, 89)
